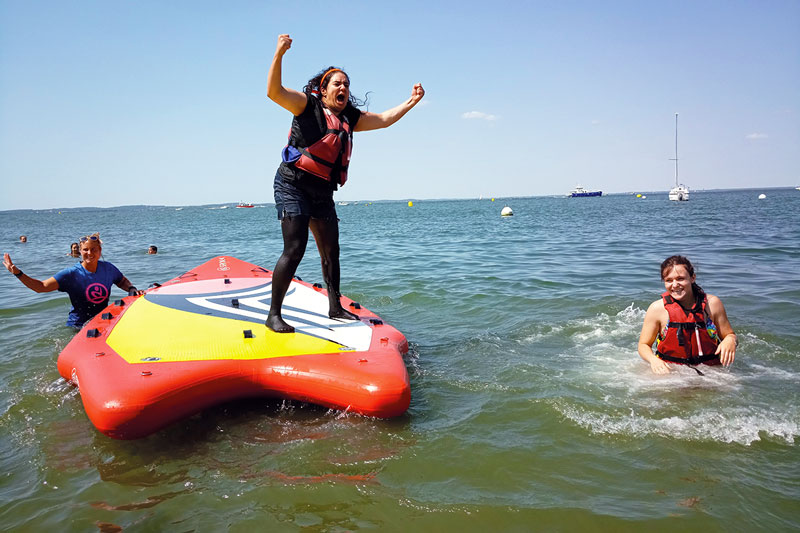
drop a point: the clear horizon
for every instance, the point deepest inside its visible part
(385, 200)
(123, 104)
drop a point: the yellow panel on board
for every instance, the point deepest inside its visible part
(150, 332)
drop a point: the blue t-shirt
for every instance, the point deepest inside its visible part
(88, 291)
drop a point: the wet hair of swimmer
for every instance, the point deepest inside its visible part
(152, 250)
(673, 261)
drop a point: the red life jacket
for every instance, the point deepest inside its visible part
(329, 157)
(687, 340)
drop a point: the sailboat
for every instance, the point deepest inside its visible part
(680, 192)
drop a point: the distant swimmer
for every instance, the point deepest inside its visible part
(23, 238)
(87, 283)
(152, 250)
(689, 326)
(74, 250)
(314, 164)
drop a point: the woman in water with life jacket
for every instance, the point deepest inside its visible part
(314, 163)
(689, 326)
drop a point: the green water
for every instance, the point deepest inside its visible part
(530, 410)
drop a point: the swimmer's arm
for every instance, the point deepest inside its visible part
(648, 336)
(48, 285)
(375, 121)
(727, 347)
(289, 99)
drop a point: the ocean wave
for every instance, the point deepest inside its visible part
(738, 425)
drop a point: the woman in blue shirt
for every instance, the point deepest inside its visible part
(87, 283)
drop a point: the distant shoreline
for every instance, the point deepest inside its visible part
(415, 199)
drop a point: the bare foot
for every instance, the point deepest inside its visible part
(342, 313)
(277, 324)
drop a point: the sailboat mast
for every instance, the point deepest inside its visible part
(676, 149)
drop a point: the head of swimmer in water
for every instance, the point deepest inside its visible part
(332, 86)
(74, 250)
(91, 248)
(677, 273)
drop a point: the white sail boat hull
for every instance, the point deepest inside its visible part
(679, 193)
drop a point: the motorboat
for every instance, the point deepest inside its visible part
(580, 192)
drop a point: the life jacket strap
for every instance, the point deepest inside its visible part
(691, 361)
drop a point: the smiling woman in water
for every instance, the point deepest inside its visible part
(314, 164)
(689, 326)
(87, 283)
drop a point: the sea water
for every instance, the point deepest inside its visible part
(530, 408)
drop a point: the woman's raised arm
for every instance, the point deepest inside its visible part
(289, 99)
(374, 121)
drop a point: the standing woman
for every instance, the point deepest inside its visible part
(87, 283)
(314, 164)
(690, 326)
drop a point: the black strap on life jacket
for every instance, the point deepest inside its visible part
(690, 361)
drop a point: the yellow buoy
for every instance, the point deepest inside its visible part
(410, 203)
(638, 196)
(493, 199)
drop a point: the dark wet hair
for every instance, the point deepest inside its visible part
(674, 260)
(313, 87)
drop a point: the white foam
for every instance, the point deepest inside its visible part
(724, 405)
(737, 425)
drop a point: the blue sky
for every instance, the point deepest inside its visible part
(150, 102)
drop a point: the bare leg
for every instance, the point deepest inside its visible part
(326, 235)
(295, 239)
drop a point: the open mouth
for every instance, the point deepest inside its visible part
(340, 98)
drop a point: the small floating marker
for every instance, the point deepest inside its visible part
(410, 203)
(507, 212)
(248, 334)
(643, 197)
(493, 199)
(638, 196)
(762, 196)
